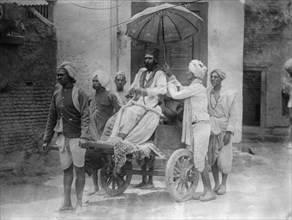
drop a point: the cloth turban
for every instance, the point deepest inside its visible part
(288, 66)
(198, 69)
(220, 73)
(69, 67)
(121, 73)
(103, 79)
(153, 51)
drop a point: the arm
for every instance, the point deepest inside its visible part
(51, 122)
(233, 115)
(115, 102)
(84, 112)
(186, 92)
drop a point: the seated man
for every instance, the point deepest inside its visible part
(137, 122)
(148, 84)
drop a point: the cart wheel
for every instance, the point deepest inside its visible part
(114, 185)
(181, 177)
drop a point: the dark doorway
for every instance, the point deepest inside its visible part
(179, 54)
(252, 98)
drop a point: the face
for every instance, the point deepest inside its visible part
(149, 62)
(120, 81)
(63, 77)
(215, 79)
(96, 84)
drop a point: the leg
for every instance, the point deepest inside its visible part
(222, 189)
(95, 183)
(144, 177)
(67, 182)
(150, 162)
(79, 184)
(215, 172)
(208, 192)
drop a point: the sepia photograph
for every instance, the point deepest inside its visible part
(145, 109)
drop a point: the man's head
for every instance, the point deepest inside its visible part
(216, 77)
(120, 80)
(100, 80)
(66, 73)
(151, 58)
(198, 69)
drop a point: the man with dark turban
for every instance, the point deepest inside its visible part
(69, 119)
(138, 119)
(223, 118)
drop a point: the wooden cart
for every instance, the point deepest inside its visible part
(180, 175)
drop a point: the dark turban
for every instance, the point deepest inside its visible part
(152, 51)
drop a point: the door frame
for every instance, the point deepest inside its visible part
(263, 70)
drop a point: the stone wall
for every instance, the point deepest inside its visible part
(27, 76)
(267, 45)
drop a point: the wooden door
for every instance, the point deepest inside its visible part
(179, 54)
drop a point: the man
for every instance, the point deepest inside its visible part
(136, 123)
(287, 89)
(120, 81)
(69, 118)
(196, 124)
(223, 117)
(103, 104)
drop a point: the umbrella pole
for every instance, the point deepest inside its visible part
(163, 41)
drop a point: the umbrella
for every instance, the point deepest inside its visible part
(163, 24)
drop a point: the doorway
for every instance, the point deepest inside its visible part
(253, 97)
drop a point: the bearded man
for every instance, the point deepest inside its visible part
(148, 84)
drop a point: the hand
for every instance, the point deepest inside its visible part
(140, 91)
(45, 147)
(166, 69)
(227, 137)
(83, 143)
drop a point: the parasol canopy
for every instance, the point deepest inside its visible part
(162, 24)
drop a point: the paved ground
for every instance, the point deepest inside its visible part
(258, 188)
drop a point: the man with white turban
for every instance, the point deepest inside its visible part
(223, 118)
(69, 119)
(102, 105)
(196, 124)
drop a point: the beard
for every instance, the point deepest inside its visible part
(150, 66)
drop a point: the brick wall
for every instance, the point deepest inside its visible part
(27, 78)
(268, 44)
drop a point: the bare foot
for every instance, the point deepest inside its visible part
(210, 195)
(93, 193)
(221, 190)
(198, 195)
(78, 208)
(216, 188)
(148, 186)
(140, 185)
(65, 208)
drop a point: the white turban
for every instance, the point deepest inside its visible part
(198, 69)
(121, 73)
(103, 79)
(69, 67)
(220, 73)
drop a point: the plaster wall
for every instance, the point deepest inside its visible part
(81, 38)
